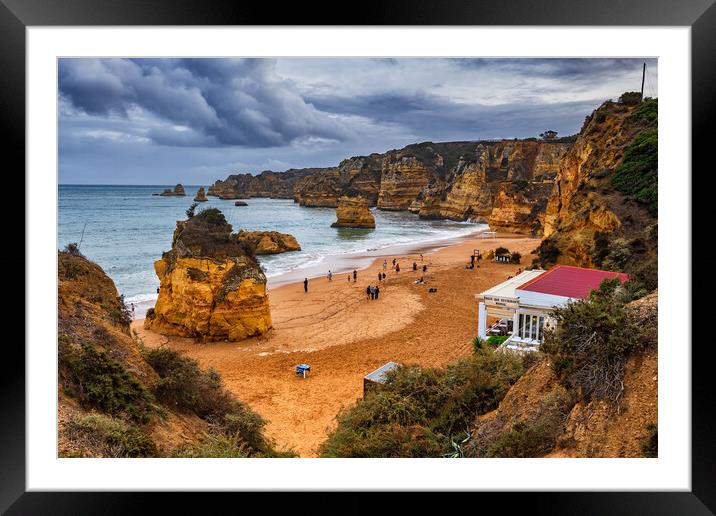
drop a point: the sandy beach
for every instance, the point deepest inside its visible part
(344, 336)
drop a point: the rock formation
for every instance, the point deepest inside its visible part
(240, 203)
(200, 195)
(585, 207)
(269, 242)
(453, 180)
(177, 192)
(353, 212)
(211, 286)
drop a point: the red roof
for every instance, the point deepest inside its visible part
(568, 281)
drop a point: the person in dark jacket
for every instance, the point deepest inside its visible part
(305, 284)
(377, 291)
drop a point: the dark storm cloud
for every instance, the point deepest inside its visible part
(206, 102)
(575, 69)
(430, 114)
(162, 121)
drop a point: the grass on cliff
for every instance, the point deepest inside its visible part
(97, 381)
(183, 385)
(637, 174)
(421, 412)
(98, 435)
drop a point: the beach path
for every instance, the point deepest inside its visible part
(344, 336)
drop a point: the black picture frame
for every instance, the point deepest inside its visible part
(700, 15)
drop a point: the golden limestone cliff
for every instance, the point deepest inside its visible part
(449, 180)
(594, 198)
(211, 286)
(353, 212)
(512, 177)
(403, 178)
(269, 242)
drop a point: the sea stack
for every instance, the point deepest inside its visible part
(353, 212)
(269, 242)
(240, 203)
(211, 286)
(200, 195)
(177, 192)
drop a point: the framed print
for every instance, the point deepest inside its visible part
(414, 253)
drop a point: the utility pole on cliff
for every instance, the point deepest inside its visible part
(643, 75)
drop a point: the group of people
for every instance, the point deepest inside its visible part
(372, 292)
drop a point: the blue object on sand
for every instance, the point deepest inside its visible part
(302, 369)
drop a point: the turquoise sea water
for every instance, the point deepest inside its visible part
(127, 229)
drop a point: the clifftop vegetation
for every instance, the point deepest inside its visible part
(118, 399)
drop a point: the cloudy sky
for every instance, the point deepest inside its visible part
(163, 121)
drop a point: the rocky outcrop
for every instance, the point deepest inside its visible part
(177, 192)
(353, 212)
(584, 205)
(211, 286)
(200, 195)
(520, 207)
(240, 203)
(266, 184)
(486, 175)
(452, 180)
(268, 242)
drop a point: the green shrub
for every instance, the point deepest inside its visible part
(215, 446)
(212, 216)
(98, 381)
(630, 97)
(548, 252)
(121, 313)
(185, 386)
(191, 209)
(521, 184)
(104, 436)
(590, 343)
(496, 340)
(418, 411)
(73, 248)
(647, 111)
(650, 445)
(502, 250)
(515, 257)
(637, 174)
(477, 343)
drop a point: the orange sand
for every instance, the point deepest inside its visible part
(344, 336)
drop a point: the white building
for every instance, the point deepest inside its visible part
(530, 297)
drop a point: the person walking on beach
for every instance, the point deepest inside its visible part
(397, 267)
(377, 291)
(355, 275)
(385, 264)
(330, 275)
(305, 284)
(472, 260)
(421, 257)
(379, 277)
(132, 311)
(383, 276)
(394, 263)
(415, 266)
(372, 292)
(425, 269)
(367, 292)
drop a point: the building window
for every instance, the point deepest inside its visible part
(530, 327)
